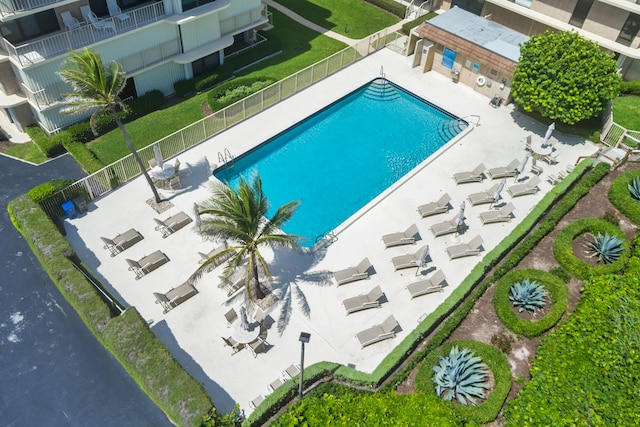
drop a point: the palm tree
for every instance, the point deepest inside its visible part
(238, 217)
(97, 88)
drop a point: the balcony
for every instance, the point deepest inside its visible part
(13, 7)
(62, 42)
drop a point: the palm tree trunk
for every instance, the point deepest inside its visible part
(257, 289)
(137, 158)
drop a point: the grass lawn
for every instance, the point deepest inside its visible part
(626, 112)
(300, 47)
(344, 16)
(27, 151)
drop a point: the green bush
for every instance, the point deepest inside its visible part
(621, 198)
(234, 90)
(563, 248)
(204, 81)
(408, 26)
(47, 189)
(83, 156)
(488, 410)
(380, 409)
(50, 146)
(630, 88)
(586, 371)
(390, 6)
(530, 328)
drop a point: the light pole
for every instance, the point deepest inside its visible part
(304, 339)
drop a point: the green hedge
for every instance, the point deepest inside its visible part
(47, 189)
(127, 337)
(205, 81)
(630, 88)
(50, 146)
(235, 90)
(530, 328)
(586, 371)
(620, 196)
(408, 26)
(563, 250)
(87, 160)
(390, 6)
(493, 358)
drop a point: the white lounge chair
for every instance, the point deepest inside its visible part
(502, 215)
(465, 249)
(98, 24)
(377, 333)
(291, 371)
(115, 11)
(69, 21)
(147, 264)
(475, 175)
(233, 283)
(175, 296)
(172, 224)
(445, 227)
(529, 187)
(407, 260)
(351, 274)
(504, 171)
(483, 197)
(122, 241)
(434, 208)
(363, 302)
(215, 253)
(435, 283)
(407, 237)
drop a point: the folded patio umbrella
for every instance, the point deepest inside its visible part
(423, 258)
(547, 135)
(496, 195)
(158, 155)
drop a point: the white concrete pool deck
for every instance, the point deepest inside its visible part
(193, 330)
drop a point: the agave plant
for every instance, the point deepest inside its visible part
(607, 248)
(634, 188)
(527, 295)
(461, 375)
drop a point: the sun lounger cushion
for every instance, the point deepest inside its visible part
(175, 296)
(475, 175)
(465, 249)
(122, 241)
(434, 208)
(502, 215)
(504, 171)
(406, 237)
(214, 252)
(483, 197)
(433, 284)
(377, 333)
(363, 302)
(444, 227)
(172, 224)
(147, 264)
(529, 187)
(235, 282)
(407, 260)
(351, 274)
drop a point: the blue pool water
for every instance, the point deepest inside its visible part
(341, 158)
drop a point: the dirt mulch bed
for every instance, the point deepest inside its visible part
(482, 323)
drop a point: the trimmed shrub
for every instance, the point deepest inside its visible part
(486, 411)
(408, 26)
(47, 189)
(563, 248)
(50, 146)
(83, 156)
(204, 81)
(233, 91)
(630, 88)
(621, 197)
(390, 6)
(558, 292)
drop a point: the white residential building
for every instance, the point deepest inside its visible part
(157, 42)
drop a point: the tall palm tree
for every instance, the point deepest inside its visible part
(97, 88)
(238, 217)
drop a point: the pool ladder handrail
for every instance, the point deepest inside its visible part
(225, 157)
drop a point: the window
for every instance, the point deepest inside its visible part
(190, 4)
(30, 26)
(580, 13)
(206, 64)
(629, 30)
(493, 73)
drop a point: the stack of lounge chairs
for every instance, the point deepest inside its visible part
(363, 302)
(465, 249)
(434, 283)
(504, 171)
(172, 224)
(407, 237)
(147, 264)
(529, 187)
(434, 208)
(501, 215)
(377, 333)
(351, 274)
(175, 296)
(122, 241)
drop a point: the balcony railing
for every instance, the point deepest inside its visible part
(60, 43)
(11, 7)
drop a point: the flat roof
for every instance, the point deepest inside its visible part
(491, 36)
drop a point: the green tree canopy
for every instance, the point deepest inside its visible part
(564, 77)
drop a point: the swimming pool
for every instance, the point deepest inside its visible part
(342, 157)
